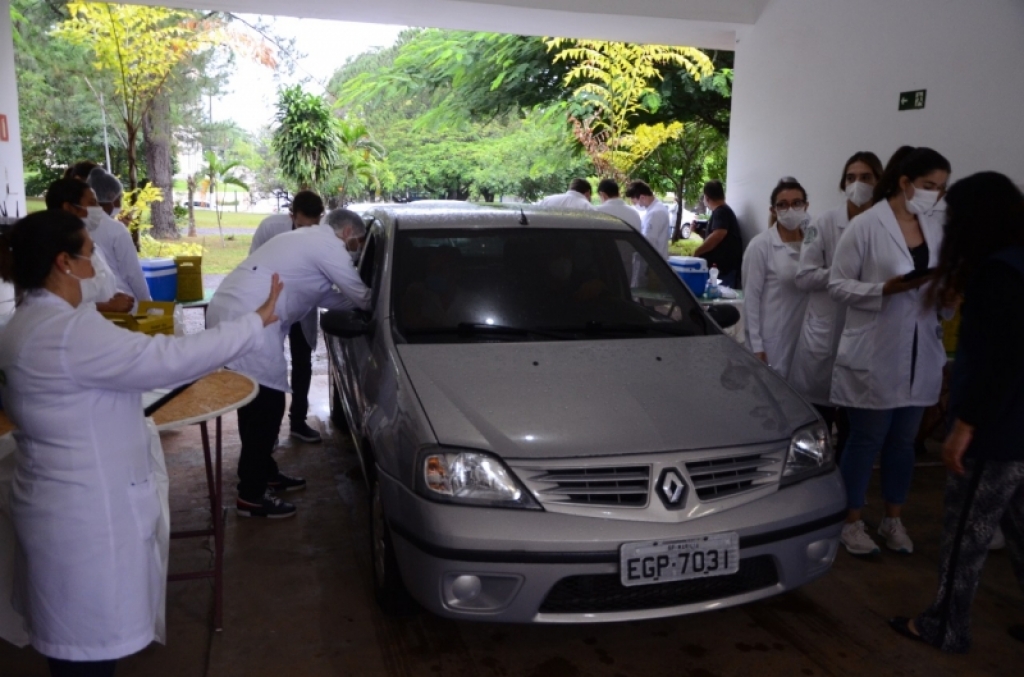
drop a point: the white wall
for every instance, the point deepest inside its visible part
(12, 181)
(817, 80)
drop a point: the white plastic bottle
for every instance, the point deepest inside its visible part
(712, 291)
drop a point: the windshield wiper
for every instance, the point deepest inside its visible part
(483, 329)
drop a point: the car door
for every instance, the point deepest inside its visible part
(357, 366)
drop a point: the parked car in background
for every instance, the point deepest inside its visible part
(514, 396)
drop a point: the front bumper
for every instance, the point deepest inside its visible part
(515, 563)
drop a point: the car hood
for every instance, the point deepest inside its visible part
(594, 398)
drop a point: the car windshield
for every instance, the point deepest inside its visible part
(532, 284)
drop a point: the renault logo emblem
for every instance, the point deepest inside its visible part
(671, 489)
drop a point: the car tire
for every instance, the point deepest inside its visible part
(388, 588)
(685, 232)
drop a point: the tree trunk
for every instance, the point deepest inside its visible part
(156, 125)
(191, 183)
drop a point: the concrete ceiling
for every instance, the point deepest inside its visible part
(710, 24)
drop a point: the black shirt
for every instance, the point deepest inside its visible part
(728, 255)
(987, 386)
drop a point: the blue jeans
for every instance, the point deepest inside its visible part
(890, 432)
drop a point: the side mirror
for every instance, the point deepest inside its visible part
(345, 323)
(724, 315)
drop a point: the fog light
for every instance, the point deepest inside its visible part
(820, 555)
(479, 592)
(465, 588)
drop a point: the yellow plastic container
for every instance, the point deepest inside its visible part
(152, 317)
(951, 332)
(190, 278)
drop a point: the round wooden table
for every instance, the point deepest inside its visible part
(208, 399)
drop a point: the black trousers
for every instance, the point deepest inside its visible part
(259, 424)
(302, 373)
(59, 668)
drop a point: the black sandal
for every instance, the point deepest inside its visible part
(901, 625)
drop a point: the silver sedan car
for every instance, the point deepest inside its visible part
(553, 429)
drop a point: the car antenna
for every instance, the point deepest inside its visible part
(523, 221)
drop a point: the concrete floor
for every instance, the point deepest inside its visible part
(297, 602)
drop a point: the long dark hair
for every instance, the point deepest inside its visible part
(910, 162)
(984, 214)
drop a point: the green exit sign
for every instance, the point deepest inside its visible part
(913, 100)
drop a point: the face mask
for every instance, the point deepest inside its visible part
(355, 255)
(859, 193)
(560, 269)
(792, 219)
(923, 201)
(94, 217)
(89, 289)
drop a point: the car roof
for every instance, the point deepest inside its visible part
(432, 217)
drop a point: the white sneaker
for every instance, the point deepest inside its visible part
(895, 535)
(856, 539)
(998, 540)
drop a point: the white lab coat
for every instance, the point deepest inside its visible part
(85, 507)
(567, 200)
(654, 225)
(273, 226)
(618, 208)
(873, 363)
(773, 307)
(116, 242)
(310, 261)
(811, 371)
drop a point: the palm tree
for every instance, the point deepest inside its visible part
(220, 174)
(305, 138)
(360, 157)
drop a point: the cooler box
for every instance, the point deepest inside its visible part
(190, 278)
(692, 270)
(161, 278)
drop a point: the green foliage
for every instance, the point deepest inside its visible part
(219, 174)
(685, 247)
(683, 164)
(150, 248)
(306, 137)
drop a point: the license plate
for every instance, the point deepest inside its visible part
(647, 562)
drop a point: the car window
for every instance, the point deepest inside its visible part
(453, 285)
(370, 261)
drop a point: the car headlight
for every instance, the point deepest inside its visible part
(473, 478)
(810, 453)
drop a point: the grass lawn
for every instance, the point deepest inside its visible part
(219, 260)
(207, 218)
(685, 247)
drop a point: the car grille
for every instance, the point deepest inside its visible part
(604, 593)
(626, 486)
(720, 477)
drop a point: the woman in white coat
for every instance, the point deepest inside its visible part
(888, 367)
(773, 307)
(811, 372)
(84, 501)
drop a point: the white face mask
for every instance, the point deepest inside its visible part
(859, 193)
(94, 217)
(923, 201)
(793, 219)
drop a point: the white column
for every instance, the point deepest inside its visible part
(12, 172)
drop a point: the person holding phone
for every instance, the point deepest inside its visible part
(888, 366)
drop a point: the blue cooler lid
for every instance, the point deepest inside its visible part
(689, 263)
